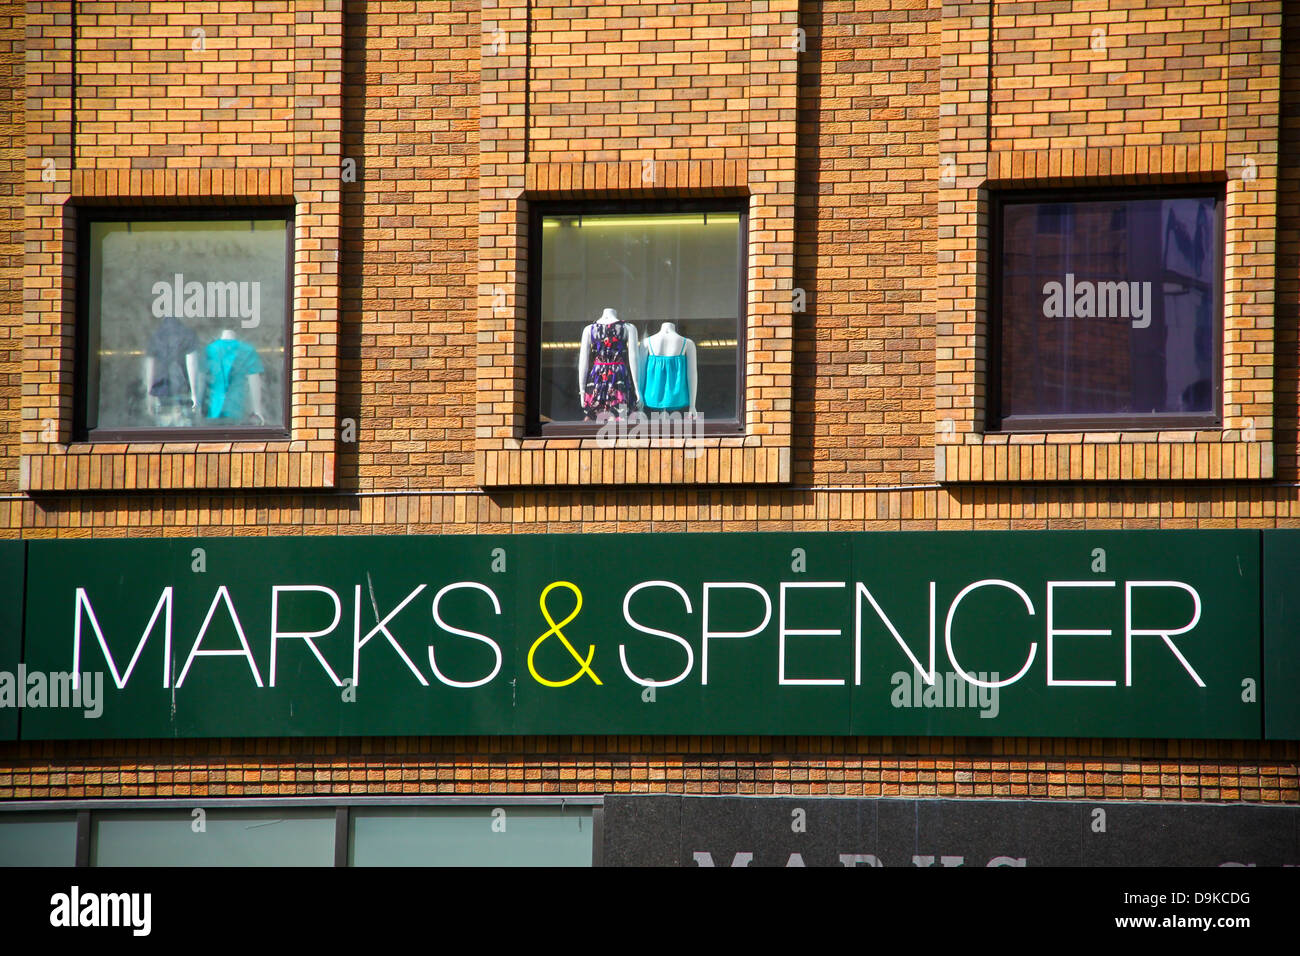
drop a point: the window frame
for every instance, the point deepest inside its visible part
(88, 214)
(533, 426)
(1094, 422)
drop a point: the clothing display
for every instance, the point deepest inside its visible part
(230, 363)
(667, 381)
(609, 386)
(168, 346)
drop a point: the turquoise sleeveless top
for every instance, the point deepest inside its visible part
(667, 385)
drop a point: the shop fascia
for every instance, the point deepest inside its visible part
(872, 623)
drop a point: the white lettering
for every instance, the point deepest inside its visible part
(783, 632)
(952, 612)
(655, 632)
(83, 600)
(246, 652)
(707, 634)
(307, 637)
(1164, 634)
(473, 635)
(861, 591)
(381, 626)
(1054, 632)
(75, 909)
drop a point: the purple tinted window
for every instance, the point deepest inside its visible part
(1109, 309)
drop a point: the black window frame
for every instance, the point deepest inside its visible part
(1020, 424)
(533, 425)
(88, 214)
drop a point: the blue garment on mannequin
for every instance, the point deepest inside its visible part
(667, 385)
(230, 362)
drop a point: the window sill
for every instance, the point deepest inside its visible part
(1104, 456)
(178, 466)
(711, 460)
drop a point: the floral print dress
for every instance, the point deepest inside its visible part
(609, 387)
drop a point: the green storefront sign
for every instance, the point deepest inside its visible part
(11, 628)
(1087, 634)
(1282, 634)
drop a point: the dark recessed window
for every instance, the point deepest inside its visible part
(1107, 310)
(636, 317)
(184, 323)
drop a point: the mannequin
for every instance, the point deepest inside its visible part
(234, 379)
(609, 378)
(671, 378)
(171, 374)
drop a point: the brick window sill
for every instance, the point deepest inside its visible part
(1104, 456)
(179, 466)
(568, 462)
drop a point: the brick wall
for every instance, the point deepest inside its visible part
(179, 104)
(12, 164)
(455, 115)
(1043, 94)
(864, 766)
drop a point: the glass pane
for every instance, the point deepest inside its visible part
(256, 837)
(38, 839)
(186, 324)
(660, 282)
(470, 836)
(1109, 308)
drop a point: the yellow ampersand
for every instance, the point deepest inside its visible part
(584, 666)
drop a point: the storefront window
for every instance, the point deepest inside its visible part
(1108, 311)
(636, 313)
(470, 836)
(38, 839)
(262, 837)
(184, 323)
(366, 831)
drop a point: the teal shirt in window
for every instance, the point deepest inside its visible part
(230, 362)
(667, 385)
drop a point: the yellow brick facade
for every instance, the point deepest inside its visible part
(867, 135)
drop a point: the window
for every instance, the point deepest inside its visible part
(309, 831)
(183, 323)
(1107, 310)
(636, 313)
(296, 836)
(38, 839)
(470, 836)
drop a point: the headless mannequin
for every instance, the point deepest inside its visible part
(151, 376)
(668, 342)
(584, 357)
(171, 373)
(254, 385)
